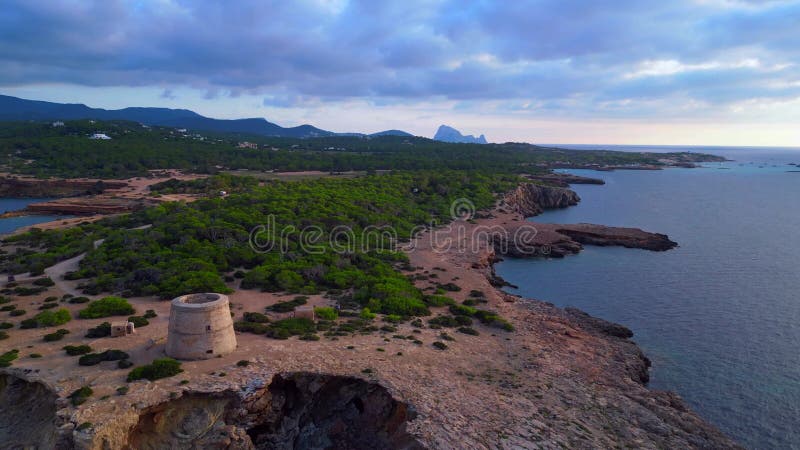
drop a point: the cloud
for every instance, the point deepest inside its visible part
(528, 56)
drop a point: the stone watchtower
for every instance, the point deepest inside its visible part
(200, 327)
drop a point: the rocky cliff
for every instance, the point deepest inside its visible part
(531, 199)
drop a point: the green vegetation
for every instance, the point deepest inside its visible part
(3, 335)
(80, 396)
(326, 313)
(47, 319)
(42, 150)
(159, 368)
(46, 282)
(75, 350)
(91, 359)
(255, 317)
(6, 325)
(287, 306)
(138, 321)
(56, 336)
(106, 307)
(439, 345)
(102, 330)
(294, 326)
(8, 357)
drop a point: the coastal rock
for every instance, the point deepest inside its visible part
(531, 199)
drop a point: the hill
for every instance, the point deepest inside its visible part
(449, 134)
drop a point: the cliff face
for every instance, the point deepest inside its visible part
(23, 187)
(27, 414)
(531, 199)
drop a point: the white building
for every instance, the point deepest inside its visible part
(101, 136)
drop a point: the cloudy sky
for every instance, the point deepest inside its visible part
(724, 72)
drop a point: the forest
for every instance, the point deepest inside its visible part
(194, 247)
(42, 150)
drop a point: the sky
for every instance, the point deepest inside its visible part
(691, 72)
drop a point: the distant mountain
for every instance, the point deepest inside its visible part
(392, 133)
(13, 108)
(448, 134)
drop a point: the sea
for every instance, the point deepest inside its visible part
(719, 316)
(13, 223)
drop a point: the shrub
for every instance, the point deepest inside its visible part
(243, 363)
(452, 287)
(122, 390)
(6, 325)
(35, 355)
(159, 368)
(48, 306)
(28, 323)
(106, 307)
(150, 314)
(255, 317)
(92, 359)
(56, 336)
(326, 313)
(81, 395)
(3, 335)
(17, 312)
(7, 357)
(468, 330)
(8, 308)
(439, 345)
(446, 337)
(493, 320)
(461, 310)
(124, 364)
(78, 300)
(75, 350)
(250, 327)
(295, 326)
(288, 306)
(102, 330)
(437, 300)
(51, 299)
(53, 318)
(444, 321)
(46, 281)
(366, 314)
(309, 337)
(138, 321)
(4, 300)
(476, 293)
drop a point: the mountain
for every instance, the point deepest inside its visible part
(13, 108)
(392, 133)
(448, 134)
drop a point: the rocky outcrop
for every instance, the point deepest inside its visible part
(602, 235)
(28, 187)
(531, 199)
(27, 414)
(563, 179)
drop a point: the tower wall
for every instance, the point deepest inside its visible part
(200, 327)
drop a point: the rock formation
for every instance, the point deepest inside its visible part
(448, 134)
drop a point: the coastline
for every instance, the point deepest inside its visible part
(562, 379)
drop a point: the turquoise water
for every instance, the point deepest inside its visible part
(720, 315)
(13, 204)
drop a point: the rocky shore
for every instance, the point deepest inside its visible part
(562, 379)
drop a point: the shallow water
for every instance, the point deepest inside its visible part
(720, 315)
(13, 223)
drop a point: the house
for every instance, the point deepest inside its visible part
(101, 136)
(119, 329)
(246, 144)
(58, 123)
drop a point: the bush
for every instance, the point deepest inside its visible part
(437, 300)
(92, 359)
(8, 308)
(255, 317)
(461, 310)
(366, 314)
(81, 395)
(288, 306)
(51, 299)
(468, 330)
(150, 314)
(250, 327)
(7, 357)
(78, 300)
(138, 321)
(159, 368)
(46, 281)
(53, 318)
(6, 325)
(102, 330)
(295, 326)
(48, 306)
(17, 312)
(35, 355)
(439, 345)
(28, 323)
(122, 390)
(444, 321)
(3, 335)
(326, 313)
(124, 364)
(243, 363)
(452, 287)
(106, 307)
(75, 350)
(57, 336)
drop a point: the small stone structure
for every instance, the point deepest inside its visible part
(119, 329)
(200, 327)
